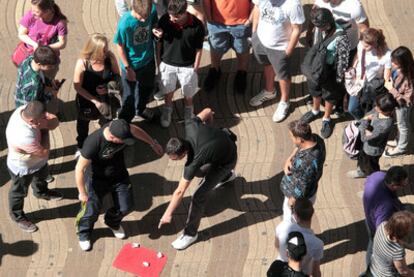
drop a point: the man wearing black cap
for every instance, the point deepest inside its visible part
(295, 251)
(103, 151)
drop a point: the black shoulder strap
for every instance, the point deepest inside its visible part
(327, 41)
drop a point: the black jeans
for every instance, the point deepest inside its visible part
(19, 189)
(135, 94)
(214, 175)
(82, 127)
(122, 200)
(368, 164)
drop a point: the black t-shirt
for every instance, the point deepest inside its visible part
(107, 157)
(281, 269)
(209, 145)
(180, 44)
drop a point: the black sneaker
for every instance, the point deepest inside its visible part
(27, 226)
(310, 116)
(49, 178)
(327, 128)
(50, 195)
(213, 76)
(240, 81)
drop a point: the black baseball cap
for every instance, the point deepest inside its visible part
(121, 129)
(296, 246)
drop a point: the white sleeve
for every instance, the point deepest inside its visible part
(359, 13)
(255, 2)
(296, 14)
(387, 60)
(121, 7)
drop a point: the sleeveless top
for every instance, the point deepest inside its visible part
(92, 79)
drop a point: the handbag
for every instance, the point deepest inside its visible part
(354, 85)
(22, 51)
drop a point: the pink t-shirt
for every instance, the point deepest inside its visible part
(38, 28)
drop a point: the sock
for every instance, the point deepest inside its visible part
(315, 112)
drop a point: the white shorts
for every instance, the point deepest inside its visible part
(169, 75)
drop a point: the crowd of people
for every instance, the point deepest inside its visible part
(159, 45)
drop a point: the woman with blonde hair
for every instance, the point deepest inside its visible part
(95, 68)
(373, 65)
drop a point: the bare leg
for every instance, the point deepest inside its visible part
(284, 89)
(269, 76)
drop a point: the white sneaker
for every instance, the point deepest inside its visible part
(184, 241)
(77, 153)
(281, 111)
(262, 97)
(229, 179)
(166, 116)
(119, 233)
(159, 96)
(85, 245)
(188, 112)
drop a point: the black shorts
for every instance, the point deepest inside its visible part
(330, 91)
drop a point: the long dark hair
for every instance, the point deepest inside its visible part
(403, 57)
(49, 5)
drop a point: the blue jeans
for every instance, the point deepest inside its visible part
(354, 108)
(121, 192)
(135, 94)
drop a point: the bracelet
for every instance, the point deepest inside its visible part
(155, 143)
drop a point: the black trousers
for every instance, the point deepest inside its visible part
(121, 196)
(82, 127)
(20, 187)
(368, 164)
(213, 175)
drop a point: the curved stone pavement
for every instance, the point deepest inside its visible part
(236, 236)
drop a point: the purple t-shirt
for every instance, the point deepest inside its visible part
(379, 201)
(38, 28)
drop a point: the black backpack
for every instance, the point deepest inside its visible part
(314, 65)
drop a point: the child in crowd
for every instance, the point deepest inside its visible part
(180, 49)
(374, 128)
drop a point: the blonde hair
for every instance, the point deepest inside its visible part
(94, 48)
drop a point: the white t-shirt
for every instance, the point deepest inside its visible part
(21, 135)
(348, 14)
(314, 246)
(275, 22)
(374, 66)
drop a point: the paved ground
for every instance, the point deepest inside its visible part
(236, 236)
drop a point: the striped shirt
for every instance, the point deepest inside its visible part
(384, 253)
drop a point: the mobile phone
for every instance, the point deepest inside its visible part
(60, 84)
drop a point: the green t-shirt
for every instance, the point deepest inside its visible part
(136, 38)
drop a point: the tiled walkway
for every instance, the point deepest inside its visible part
(237, 233)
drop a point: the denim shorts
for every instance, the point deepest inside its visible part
(223, 37)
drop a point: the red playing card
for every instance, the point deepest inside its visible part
(133, 260)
